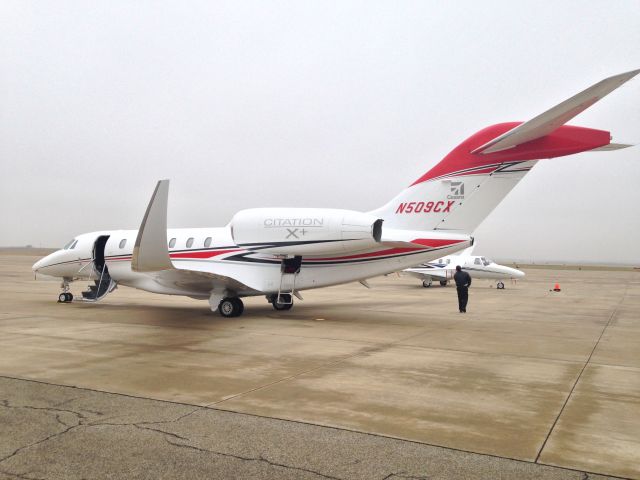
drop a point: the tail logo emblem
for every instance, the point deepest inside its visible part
(457, 191)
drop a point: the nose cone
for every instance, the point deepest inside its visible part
(514, 273)
(39, 264)
(44, 264)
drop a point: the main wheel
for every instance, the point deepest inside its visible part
(240, 306)
(500, 285)
(230, 307)
(443, 283)
(286, 305)
(426, 283)
(62, 298)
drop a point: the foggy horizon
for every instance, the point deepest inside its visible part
(334, 105)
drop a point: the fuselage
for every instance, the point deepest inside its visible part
(214, 251)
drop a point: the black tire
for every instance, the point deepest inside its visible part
(500, 286)
(282, 306)
(443, 283)
(229, 307)
(426, 283)
(62, 298)
(239, 305)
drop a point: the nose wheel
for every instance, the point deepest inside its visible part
(66, 296)
(500, 286)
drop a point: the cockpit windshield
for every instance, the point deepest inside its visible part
(486, 261)
(70, 244)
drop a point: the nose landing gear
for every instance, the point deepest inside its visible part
(66, 296)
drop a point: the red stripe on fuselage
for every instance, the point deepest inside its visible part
(428, 243)
(202, 254)
(184, 255)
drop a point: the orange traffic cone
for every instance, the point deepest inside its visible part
(556, 288)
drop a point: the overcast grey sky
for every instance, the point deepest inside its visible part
(325, 104)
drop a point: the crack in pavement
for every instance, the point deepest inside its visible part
(24, 447)
(405, 475)
(139, 425)
(254, 459)
(6, 404)
(22, 476)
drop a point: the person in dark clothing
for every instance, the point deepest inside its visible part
(463, 282)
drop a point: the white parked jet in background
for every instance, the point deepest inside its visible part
(443, 269)
(278, 252)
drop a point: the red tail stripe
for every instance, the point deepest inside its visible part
(566, 140)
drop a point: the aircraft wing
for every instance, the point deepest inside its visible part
(198, 283)
(547, 122)
(422, 273)
(151, 254)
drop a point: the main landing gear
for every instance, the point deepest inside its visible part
(231, 307)
(443, 283)
(66, 296)
(426, 283)
(284, 302)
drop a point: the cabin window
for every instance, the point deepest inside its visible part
(73, 245)
(189, 242)
(123, 242)
(448, 261)
(439, 260)
(207, 242)
(477, 261)
(172, 243)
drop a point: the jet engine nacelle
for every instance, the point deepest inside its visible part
(304, 231)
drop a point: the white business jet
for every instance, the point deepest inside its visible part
(279, 252)
(443, 269)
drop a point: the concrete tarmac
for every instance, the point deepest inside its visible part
(527, 381)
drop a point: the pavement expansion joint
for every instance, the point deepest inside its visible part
(595, 346)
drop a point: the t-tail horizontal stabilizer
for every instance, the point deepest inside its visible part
(151, 252)
(555, 117)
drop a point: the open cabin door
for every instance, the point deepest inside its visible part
(103, 284)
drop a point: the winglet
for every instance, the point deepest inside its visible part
(555, 117)
(151, 252)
